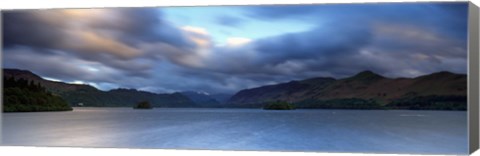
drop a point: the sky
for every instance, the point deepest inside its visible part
(224, 49)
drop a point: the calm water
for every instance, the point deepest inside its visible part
(366, 131)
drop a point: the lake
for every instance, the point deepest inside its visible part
(365, 131)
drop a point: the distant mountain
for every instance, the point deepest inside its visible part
(201, 99)
(443, 89)
(221, 97)
(86, 95)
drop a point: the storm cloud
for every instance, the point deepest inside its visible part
(140, 48)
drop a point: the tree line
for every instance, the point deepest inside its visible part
(21, 95)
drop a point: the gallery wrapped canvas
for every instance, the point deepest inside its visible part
(355, 78)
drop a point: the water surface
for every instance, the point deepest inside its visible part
(366, 131)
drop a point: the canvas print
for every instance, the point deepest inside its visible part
(368, 78)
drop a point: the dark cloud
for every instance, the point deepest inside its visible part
(112, 37)
(18, 30)
(115, 32)
(142, 25)
(319, 42)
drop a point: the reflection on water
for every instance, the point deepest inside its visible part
(366, 131)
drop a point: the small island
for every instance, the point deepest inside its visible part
(143, 105)
(279, 105)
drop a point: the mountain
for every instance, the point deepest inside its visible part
(365, 90)
(290, 91)
(222, 98)
(53, 86)
(86, 95)
(201, 99)
(443, 89)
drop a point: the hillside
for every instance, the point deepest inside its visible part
(86, 95)
(368, 89)
(54, 86)
(21, 95)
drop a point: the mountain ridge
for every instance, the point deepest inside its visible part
(86, 95)
(365, 85)
(364, 90)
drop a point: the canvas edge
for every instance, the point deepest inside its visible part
(1, 75)
(473, 78)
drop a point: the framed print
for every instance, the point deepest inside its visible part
(388, 78)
